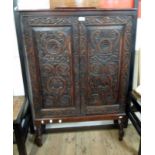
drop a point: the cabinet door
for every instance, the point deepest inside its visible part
(105, 45)
(52, 58)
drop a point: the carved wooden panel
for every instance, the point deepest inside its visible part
(105, 52)
(53, 47)
(103, 64)
(75, 67)
(52, 58)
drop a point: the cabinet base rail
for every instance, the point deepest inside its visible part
(119, 120)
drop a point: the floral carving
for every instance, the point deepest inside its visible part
(107, 58)
(50, 60)
(48, 20)
(55, 64)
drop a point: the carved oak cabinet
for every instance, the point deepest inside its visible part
(78, 64)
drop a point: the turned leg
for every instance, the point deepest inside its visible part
(125, 122)
(38, 138)
(121, 131)
(43, 128)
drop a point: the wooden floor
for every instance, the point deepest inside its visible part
(94, 142)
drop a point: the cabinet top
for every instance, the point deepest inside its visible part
(80, 12)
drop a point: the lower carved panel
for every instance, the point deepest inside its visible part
(54, 101)
(111, 109)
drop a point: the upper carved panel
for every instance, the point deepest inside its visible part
(53, 41)
(103, 40)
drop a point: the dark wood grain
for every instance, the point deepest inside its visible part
(79, 118)
(121, 130)
(105, 56)
(53, 62)
(38, 137)
(78, 70)
(53, 59)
